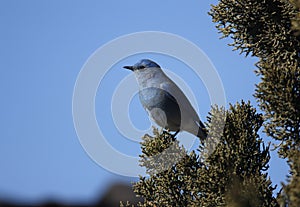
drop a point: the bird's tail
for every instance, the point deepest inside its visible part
(202, 132)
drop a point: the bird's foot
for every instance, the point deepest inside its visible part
(169, 132)
(174, 135)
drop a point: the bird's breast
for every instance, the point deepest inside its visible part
(151, 97)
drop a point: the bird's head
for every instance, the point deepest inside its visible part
(144, 63)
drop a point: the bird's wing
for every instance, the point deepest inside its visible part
(162, 107)
(184, 104)
(190, 120)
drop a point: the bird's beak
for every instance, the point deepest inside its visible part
(128, 67)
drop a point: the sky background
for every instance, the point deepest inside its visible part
(44, 45)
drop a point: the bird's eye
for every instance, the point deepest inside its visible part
(141, 67)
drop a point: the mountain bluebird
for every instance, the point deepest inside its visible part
(165, 103)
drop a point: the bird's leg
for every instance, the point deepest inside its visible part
(175, 133)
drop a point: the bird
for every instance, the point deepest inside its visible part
(164, 101)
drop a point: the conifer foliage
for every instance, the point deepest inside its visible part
(229, 169)
(269, 29)
(231, 175)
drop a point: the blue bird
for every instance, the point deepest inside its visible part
(163, 100)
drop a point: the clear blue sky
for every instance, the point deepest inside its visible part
(44, 44)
